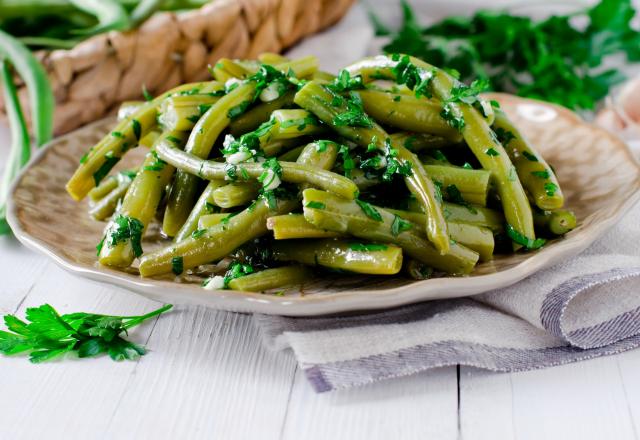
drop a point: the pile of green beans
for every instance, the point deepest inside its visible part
(277, 172)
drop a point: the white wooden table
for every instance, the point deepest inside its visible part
(208, 376)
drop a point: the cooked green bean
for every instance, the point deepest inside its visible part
(216, 242)
(336, 214)
(235, 194)
(128, 108)
(121, 243)
(376, 259)
(476, 132)
(557, 222)
(102, 157)
(110, 183)
(182, 112)
(409, 113)
(291, 172)
(534, 172)
(107, 205)
(294, 123)
(260, 113)
(472, 215)
(320, 100)
(272, 58)
(209, 220)
(204, 205)
(291, 155)
(296, 226)
(183, 192)
(419, 141)
(271, 279)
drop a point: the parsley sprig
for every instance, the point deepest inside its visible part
(556, 59)
(45, 334)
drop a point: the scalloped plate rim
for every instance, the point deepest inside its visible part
(314, 305)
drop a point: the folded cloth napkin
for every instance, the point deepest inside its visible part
(583, 308)
(586, 307)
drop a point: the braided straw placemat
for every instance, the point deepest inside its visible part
(168, 49)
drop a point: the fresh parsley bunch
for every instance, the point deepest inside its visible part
(46, 334)
(553, 59)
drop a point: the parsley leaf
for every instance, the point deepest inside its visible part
(527, 242)
(316, 205)
(369, 210)
(400, 225)
(368, 247)
(45, 334)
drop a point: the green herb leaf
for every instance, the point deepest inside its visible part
(177, 265)
(316, 205)
(400, 225)
(369, 210)
(46, 334)
(368, 247)
(528, 243)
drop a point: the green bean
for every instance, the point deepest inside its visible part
(557, 222)
(417, 269)
(291, 155)
(111, 15)
(536, 175)
(319, 154)
(216, 242)
(472, 215)
(271, 279)
(323, 76)
(204, 205)
(107, 205)
(182, 112)
(209, 220)
(476, 132)
(226, 69)
(41, 99)
(294, 123)
(150, 138)
(318, 99)
(274, 147)
(121, 244)
(20, 150)
(236, 194)
(473, 185)
(336, 214)
(409, 113)
(292, 226)
(102, 157)
(183, 192)
(128, 108)
(291, 172)
(272, 58)
(260, 113)
(111, 183)
(341, 254)
(419, 141)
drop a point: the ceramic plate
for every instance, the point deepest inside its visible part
(599, 176)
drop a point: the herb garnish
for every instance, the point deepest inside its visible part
(527, 242)
(236, 270)
(369, 210)
(46, 334)
(368, 247)
(399, 225)
(316, 205)
(125, 228)
(157, 164)
(177, 265)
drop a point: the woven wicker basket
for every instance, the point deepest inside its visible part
(96, 75)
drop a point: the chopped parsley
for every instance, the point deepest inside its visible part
(550, 188)
(344, 82)
(316, 205)
(145, 93)
(368, 247)
(236, 270)
(504, 136)
(109, 162)
(491, 152)
(454, 195)
(117, 134)
(177, 265)
(399, 225)
(124, 229)
(348, 163)
(198, 233)
(528, 243)
(157, 164)
(354, 116)
(137, 128)
(529, 156)
(369, 210)
(239, 109)
(544, 174)
(452, 116)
